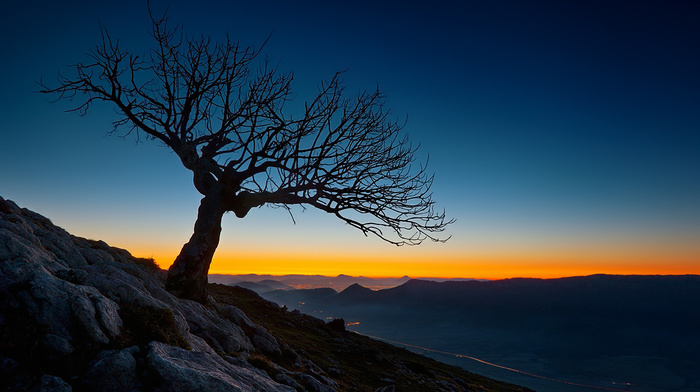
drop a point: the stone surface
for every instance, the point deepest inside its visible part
(112, 371)
(314, 385)
(48, 383)
(181, 371)
(71, 291)
(55, 347)
(286, 380)
(221, 334)
(260, 338)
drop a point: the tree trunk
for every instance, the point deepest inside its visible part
(187, 277)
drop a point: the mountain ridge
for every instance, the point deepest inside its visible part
(339, 282)
(606, 324)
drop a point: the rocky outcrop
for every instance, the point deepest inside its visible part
(79, 314)
(113, 371)
(180, 370)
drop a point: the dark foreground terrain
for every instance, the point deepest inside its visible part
(79, 315)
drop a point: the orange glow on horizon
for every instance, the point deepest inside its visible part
(276, 247)
(477, 266)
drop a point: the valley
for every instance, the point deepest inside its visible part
(600, 332)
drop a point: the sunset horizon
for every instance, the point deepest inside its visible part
(563, 138)
(381, 196)
(427, 265)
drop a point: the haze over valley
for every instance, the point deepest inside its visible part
(264, 283)
(633, 333)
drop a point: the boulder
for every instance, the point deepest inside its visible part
(180, 370)
(48, 383)
(261, 339)
(314, 385)
(220, 333)
(66, 309)
(286, 380)
(54, 347)
(79, 297)
(112, 371)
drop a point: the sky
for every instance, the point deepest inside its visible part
(564, 135)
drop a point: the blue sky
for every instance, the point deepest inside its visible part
(564, 129)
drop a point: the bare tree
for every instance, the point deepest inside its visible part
(222, 111)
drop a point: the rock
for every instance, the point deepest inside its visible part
(311, 365)
(108, 315)
(73, 292)
(334, 372)
(388, 388)
(314, 385)
(59, 243)
(240, 361)
(220, 333)
(95, 256)
(286, 380)
(76, 276)
(198, 344)
(261, 339)
(36, 260)
(337, 324)
(120, 286)
(84, 311)
(48, 383)
(7, 365)
(9, 207)
(112, 371)
(9, 370)
(180, 371)
(54, 347)
(18, 245)
(59, 305)
(44, 235)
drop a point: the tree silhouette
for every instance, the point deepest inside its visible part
(222, 111)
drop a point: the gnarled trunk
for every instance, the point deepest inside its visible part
(187, 277)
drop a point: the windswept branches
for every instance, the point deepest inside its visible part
(224, 113)
(346, 157)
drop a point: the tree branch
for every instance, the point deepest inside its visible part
(227, 122)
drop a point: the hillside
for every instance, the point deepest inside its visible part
(79, 315)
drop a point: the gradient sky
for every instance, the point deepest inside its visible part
(564, 135)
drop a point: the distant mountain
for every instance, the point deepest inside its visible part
(263, 286)
(671, 302)
(592, 328)
(354, 294)
(338, 283)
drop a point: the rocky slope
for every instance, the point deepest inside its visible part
(77, 314)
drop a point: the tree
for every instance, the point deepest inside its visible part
(222, 111)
